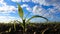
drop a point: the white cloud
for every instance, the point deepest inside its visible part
(16, 0)
(46, 2)
(4, 8)
(53, 1)
(39, 2)
(38, 10)
(27, 7)
(24, 5)
(50, 12)
(20, 0)
(1, 1)
(5, 11)
(26, 0)
(7, 19)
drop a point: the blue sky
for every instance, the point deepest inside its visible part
(46, 8)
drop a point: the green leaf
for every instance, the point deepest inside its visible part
(36, 16)
(20, 11)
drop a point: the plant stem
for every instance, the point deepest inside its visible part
(23, 26)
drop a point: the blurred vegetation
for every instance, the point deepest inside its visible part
(37, 28)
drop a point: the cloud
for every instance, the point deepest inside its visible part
(24, 5)
(41, 2)
(16, 0)
(46, 2)
(6, 18)
(5, 11)
(53, 1)
(39, 10)
(26, 0)
(28, 8)
(20, 0)
(1, 1)
(50, 11)
(4, 8)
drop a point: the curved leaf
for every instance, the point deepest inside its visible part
(20, 11)
(36, 16)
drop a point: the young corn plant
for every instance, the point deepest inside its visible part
(24, 21)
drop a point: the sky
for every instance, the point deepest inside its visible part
(46, 8)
